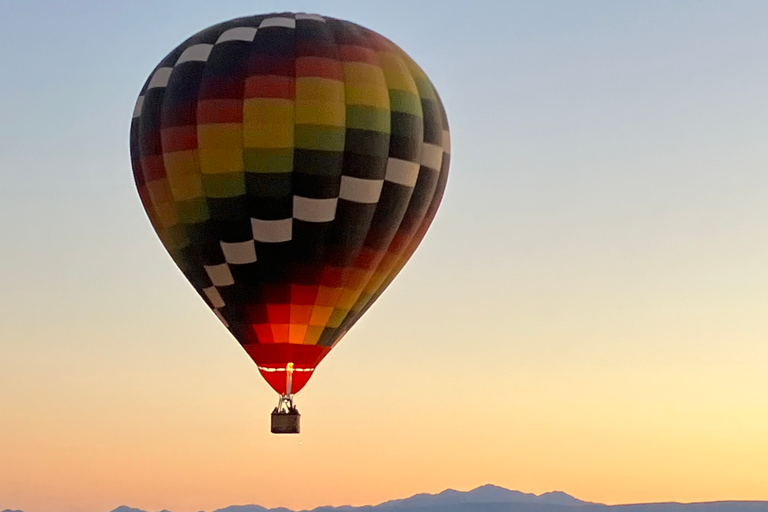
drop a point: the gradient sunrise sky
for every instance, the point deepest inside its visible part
(589, 312)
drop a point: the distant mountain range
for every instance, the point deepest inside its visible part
(490, 498)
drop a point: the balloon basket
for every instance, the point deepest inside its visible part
(286, 418)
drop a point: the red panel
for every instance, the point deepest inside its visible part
(263, 64)
(179, 138)
(257, 314)
(279, 313)
(380, 43)
(316, 48)
(277, 294)
(220, 87)
(270, 86)
(368, 258)
(220, 111)
(319, 67)
(399, 242)
(263, 333)
(303, 295)
(331, 276)
(153, 167)
(351, 53)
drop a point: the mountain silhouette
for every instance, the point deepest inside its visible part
(491, 498)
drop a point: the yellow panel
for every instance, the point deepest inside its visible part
(426, 90)
(319, 89)
(376, 279)
(362, 74)
(396, 73)
(337, 317)
(362, 300)
(186, 187)
(268, 135)
(367, 95)
(348, 298)
(320, 315)
(267, 111)
(313, 335)
(181, 163)
(325, 113)
(166, 214)
(220, 135)
(221, 161)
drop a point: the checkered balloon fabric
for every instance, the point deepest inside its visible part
(290, 164)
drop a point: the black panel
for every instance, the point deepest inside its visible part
(372, 167)
(270, 208)
(366, 142)
(234, 230)
(433, 122)
(274, 185)
(227, 208)
(316, 187)
(392, 206)
(326, 163)
(405, 148)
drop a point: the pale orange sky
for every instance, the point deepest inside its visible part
(587, 314)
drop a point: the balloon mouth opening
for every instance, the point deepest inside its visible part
(286, 381)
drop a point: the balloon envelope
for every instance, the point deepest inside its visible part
(290, 164)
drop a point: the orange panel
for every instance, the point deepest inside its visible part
(300, 314)
(328, 296)
(355, 279)
(280, 333)
(296, 333)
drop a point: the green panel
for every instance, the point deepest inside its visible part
(323, 138)
(268, 160)
(174, 238)
(404, 101)
(425, 87)
(368, 118)
(192, 210)
(224, 185)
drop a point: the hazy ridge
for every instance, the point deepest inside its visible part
(490, 498)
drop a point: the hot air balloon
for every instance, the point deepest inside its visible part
(290, 164)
